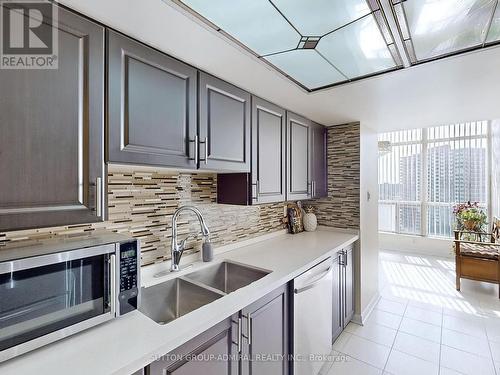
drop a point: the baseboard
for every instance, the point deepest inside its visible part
(365, 314)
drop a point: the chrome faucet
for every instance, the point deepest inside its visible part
(178, 249)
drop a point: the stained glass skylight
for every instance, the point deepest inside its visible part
(327, 42)
(434, 29)
(315, 44)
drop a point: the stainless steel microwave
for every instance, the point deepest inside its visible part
(56, 287)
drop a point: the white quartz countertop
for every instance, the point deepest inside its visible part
(130, 342)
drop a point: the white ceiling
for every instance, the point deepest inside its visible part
(460, 88)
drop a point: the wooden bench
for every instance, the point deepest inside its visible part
(476, 260)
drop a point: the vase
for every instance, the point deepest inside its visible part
(310, 221)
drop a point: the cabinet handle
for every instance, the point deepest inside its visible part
(249, 330)
(314, 189)
(341, 263)
(112, 283)
(195, 141)
(206, 150)
(345, 258)
(239, 335)
(98, 196)
(205, 142)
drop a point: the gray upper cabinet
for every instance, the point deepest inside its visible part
(266, 332)
(52, 132)
(298, 157)
(152, 106)
(268, 152)
(224, 126)
(319, 183)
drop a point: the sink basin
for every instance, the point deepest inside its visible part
(170, 300)
(227, 276)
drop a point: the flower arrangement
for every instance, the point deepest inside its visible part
(470, 216)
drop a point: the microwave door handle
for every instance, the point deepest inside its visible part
(112, 284)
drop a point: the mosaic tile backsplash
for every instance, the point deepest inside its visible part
(142, 202)
(341, 208)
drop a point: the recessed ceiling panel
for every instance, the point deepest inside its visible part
(316, 18)
(307, 67)
(358, 49)
(440, 27)
(494, 33)
(255, 23)
(325, 42)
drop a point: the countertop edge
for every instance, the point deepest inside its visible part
(137, 365)
(286, 258)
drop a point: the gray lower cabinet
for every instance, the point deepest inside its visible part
(348, 279)
(298, 157)
(343, 290)
(266, 332)
(224, 125)
(206, 354)
(52, 133)
(152, 106)
(338, 321)
(248, 343)
(319, 180)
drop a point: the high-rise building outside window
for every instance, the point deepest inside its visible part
(423, 173)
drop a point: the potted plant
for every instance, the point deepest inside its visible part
(470, 217)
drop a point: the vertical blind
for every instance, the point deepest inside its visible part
(425, 172)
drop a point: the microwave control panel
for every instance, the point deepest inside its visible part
(129, 271)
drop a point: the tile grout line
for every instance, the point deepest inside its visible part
(488, 338)
(440, 343)
(392, 347)
(413, 335)
(491, 351)
(359, 360)
(474, 297)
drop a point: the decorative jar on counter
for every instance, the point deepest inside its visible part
(310, 221)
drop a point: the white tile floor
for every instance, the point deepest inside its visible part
(422, 325)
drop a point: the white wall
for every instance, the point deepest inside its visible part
(460, 88)
(416, 244)
(368, 248)
(495, 160)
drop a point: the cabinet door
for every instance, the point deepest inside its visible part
(266, 330)
(338, 325)
(268, 152)
(298, 157)
(52, 126)
(349, 286)
(216, 344)
(224, 126)
(319, 162)
(152, 106)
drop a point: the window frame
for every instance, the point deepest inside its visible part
(424, 199)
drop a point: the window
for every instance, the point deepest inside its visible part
(423, 173)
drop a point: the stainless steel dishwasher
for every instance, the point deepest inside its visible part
(313, 296)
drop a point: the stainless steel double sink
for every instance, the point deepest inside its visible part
(174, 298)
